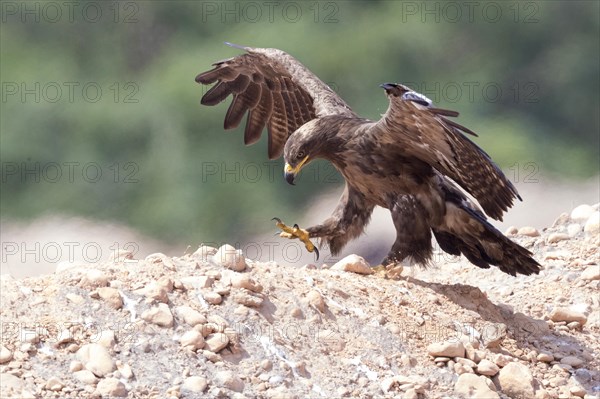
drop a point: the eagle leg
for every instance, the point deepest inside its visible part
(296, 232)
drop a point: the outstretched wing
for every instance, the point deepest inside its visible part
(276, 91)
(426, 133)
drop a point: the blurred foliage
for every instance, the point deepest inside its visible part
(532, 66)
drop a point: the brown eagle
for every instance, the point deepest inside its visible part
(414, 161)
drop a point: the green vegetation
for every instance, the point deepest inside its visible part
(525, 79)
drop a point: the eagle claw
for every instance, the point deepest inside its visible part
(297, 232)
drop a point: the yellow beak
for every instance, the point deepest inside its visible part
(290, 172)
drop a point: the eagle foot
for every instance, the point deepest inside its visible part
(296, 232)
(392, 271)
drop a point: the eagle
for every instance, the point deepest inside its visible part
(415, 161)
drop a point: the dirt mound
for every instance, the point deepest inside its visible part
(214, 324)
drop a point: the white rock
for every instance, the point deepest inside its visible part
(192, 339)
(528, 231)
(125, 370)
(190, 316)
(581, 213)
(556, 237)
(315, 299)
(447, 349)
(516, 380)
(112, 387)
(573, 229)
(353, 263)
(111, 296)
(155, 292)
(228, 380)
(75, 365)
(94, 278)
(160, 315)
(545, 357)
(572, 361)
(212, 297)
(195, 384)
(54, 384)
(86, 376)
(96, 359)
(240, 280)
(5, 355)
(591, 273)
(227, 256)
(248, 298)
(204, 252)
(568, 315)
(475, 387)
(216, 342)
(502, 360)
(592, 226)
(205, 282)
(511, 231)
(107, 339)
(485, 367)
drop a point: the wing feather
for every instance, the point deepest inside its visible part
(276, 91)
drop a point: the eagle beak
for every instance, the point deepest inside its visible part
(291, 172)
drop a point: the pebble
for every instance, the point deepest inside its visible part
(195, 384)
(190, 316)
(54, 384)
(160, 315)
(567, 315)
(528, 231)
(493, 334)
(246, 298)
(545, 357)
(266, 364)
(581, 213)
(192, 339)
(125, 370)
(156, 292)
(473, 386)
(111, 387)
(239, 280)
(96, 359)
(573, 229)
(486, 367)
(111, 296)
(212, 297)
(75, 365)
(5, 355)
(447, 349)
(216, 342)
(353, 263)
(230, 381)
(591, 273)
(94, 278)
(85, 376)
(516, 380)
(205, 282)
(106, 339)
(315, 299)
(227, 256)
(592, 226)
(460, 368)
(572, 361)
(502, 360)
(577, 390)
(556, 237)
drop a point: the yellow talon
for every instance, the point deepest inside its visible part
(296, 232)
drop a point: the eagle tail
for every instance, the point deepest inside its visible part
(466, 231)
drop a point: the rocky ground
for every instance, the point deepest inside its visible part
(214, 324)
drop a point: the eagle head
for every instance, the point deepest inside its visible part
(304, 145)
(405, 93)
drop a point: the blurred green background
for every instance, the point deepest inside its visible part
(100, 114)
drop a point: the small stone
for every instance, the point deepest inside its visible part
(190, 316)
(567, 315)
(94, 278)
(485, 367)
(581, 213)
(473, 386)
(227, 256)
(573, 229)
(54, 384)
(591, 273)
(577, 390)
(460, 368)
(86, 376)
(239, 280)
(192, 339)
(441, 359)
(156, 292)
(592, 226)
(561, 220)
(331, 340)
(572, 361)
(493, 334)
(110, 296)
(296, 313)
(205, 282)
(107, 339)
(266, 364)
(545, 357)
(5, 355)
(195, 384)
(228, 380)
(96, 359)
(75, 299)
(315, 299)
(574, 325)
(410, 393)
(125, 370)
(216, 342)
(447, 349)
(511, 231)
(516, 380)
(75, 365)
(502, 360)
(528, 231)
(204, 252)
(556, 237)
(160, 315)
(111, 387)
(353, 263)
(212, 297)
(247, 298)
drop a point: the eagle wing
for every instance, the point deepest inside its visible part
(276, 91)
(425, 132)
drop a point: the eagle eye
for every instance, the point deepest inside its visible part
(300, 155)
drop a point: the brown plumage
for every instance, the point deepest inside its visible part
(412, 161)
